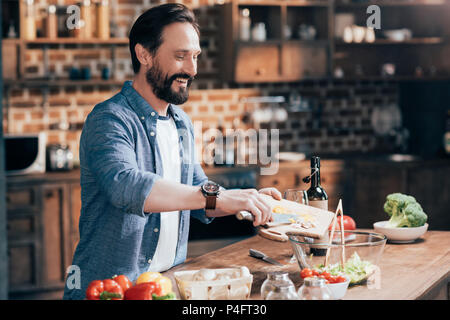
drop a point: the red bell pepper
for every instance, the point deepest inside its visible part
(107, 289)
(123, 281)
(143, 291)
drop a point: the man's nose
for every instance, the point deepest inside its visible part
(190, 67)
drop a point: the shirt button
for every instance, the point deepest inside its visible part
(153, 114)
(142, 118)
(156, 230)
(152, 133)
(149, 261)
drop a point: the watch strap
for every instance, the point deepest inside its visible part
(210, 202)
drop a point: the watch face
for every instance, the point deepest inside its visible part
(211, 187)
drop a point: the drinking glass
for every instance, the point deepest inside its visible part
(299, 196)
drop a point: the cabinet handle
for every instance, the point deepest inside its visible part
(49, 194)
(297, 180)
(260, 71)
(275, 182)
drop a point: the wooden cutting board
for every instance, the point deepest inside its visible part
(311, 222)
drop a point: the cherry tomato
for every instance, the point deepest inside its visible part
(332, 279)
(315, 272)
(306, 273)
(340, 279)
(327, 275)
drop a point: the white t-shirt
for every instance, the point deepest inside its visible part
(167, 139)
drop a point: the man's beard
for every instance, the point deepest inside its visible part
(161, 85)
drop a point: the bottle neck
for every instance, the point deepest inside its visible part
(315, 177)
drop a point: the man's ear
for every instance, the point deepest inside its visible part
(143, 55)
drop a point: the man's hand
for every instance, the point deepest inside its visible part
(232, 201)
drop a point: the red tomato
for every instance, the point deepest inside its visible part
(306, 273)
(340, 279)
(327, 275)
(349, 223)
(315, 272)
(332, 279)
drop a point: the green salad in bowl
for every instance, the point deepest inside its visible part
(357, 259)
(354, 268)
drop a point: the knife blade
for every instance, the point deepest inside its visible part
(259, 255)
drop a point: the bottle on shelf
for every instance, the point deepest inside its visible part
(51, 23)
(86, 16)
(103, 31)
(244, 25)
(28, 20)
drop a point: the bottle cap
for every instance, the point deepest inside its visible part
(276, 275)
(314, 282)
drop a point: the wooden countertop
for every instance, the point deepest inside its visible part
(420, 270)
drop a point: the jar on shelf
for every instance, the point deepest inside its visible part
(314, 288)
(274, 280)
(28, 21)
(86, 16)
(51, 23)
(102, 9)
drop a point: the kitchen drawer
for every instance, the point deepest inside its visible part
(22, 199)
(21, 266)
(18, 227)
(258, 64)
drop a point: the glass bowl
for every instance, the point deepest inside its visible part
(311, 253)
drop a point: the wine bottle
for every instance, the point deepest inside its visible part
(317, 197)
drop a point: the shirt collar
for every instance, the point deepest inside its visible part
(141, 106)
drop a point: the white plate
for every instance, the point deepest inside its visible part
(400, 235)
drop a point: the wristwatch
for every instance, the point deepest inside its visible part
(210, 190)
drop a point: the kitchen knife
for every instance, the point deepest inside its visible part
(259, 255)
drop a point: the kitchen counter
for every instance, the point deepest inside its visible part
(420, 270)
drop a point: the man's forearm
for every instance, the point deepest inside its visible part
(170, 196)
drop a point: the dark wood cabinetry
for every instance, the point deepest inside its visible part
(364, 184)
(287, 55)
(42, 223)
(283, 56)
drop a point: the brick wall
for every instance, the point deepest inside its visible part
(342, 125)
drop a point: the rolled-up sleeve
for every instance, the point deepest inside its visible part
(112, 160)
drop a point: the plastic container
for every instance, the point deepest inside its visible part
(214, 284)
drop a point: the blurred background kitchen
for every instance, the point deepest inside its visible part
(374, 104)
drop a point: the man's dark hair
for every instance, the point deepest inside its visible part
(148, 28)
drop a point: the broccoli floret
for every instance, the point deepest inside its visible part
(404, 211)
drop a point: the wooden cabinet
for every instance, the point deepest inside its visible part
(42, 223)
(288, 55)
(427, 181)
(284, 55)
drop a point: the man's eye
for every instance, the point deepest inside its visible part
(180, 57)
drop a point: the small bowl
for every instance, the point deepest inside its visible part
(400, 235)
(339, 289)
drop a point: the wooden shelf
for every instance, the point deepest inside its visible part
(297, 3)
(42, 83)
(413, 41)
(394, 3)
(56, 41)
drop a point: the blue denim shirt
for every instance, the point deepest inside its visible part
(120, 162)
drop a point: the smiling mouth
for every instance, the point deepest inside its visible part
(181, 80)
